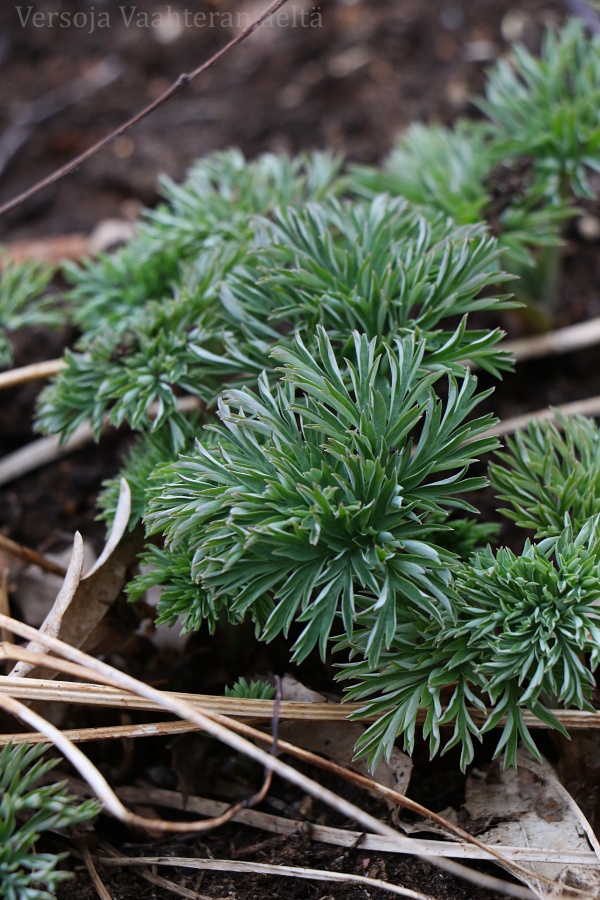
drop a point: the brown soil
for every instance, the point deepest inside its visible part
(349, 85)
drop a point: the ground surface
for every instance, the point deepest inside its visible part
(349, 85)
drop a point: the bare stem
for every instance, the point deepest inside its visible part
(177, 86)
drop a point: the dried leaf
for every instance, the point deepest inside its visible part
(531, 809)
(52, 623)
(82, 603)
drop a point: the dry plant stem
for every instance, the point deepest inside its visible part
(100, 786)
(41, 452)
(214, 726)
(48, 449)
(177, 86)
(31, 556)
(562, 340)
(588, 407)
(342, 837)
(33, 372)
(97, 881)
(229, 866)
(97, 695)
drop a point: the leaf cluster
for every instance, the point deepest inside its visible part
(522, 634)
(550, 474)
(23, 301)
(28, 809)
(380, 267)
(520, 168)
(251, 690)
(321, 499)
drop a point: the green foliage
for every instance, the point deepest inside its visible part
(455, 171)
(27, 811)
(181, 598)
(324, 321)
(548, 109)
(317, 501)
(551, 474)
(378, 267)
(251, 690)
(23, 302)
(140, 469)
(517, 632)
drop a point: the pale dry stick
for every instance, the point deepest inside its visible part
(41, 452)
(47, 690)
(33, 372)
(174, 89)
(35, 657)
(239, 867)
(562, 340)
(588, 407)
(98, 783)
(278, 825)
(342, 837)
(552, 343)
(93, 873)
(252, 733)
(48, 449)
(26, 554)
(219, 728)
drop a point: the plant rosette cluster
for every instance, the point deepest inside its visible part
(323, 319)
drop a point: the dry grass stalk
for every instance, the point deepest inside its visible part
(237, 707)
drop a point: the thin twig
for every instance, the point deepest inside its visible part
(258, 710)
(177, 86)
(97, 881)
(33, 372)
(46, 450)
(342, 837)
(588, 407)
(31, 556)
(551, 343)
(117, 808)
(252, 733)
(239, 867)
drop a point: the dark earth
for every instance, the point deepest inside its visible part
(349, 84)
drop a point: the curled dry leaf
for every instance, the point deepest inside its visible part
(529, 808)
(82, 603)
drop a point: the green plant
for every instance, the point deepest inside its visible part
(324, 489)
(251, 690)
(28, 810)
(551, 474)
(23, 302)
(521, 168)
(547, 108)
